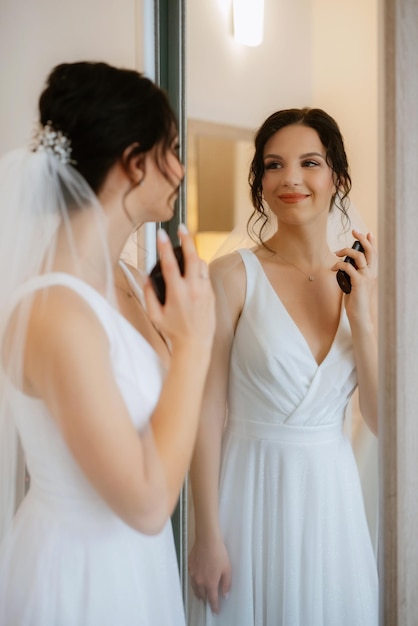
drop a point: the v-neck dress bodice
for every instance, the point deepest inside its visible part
(68, 559)
(273, 366)
(291, 509)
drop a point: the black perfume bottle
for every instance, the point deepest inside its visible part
(156, 275)
(343, 278)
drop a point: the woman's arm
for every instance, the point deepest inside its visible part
(361, 307)
(209, 562)
(68, 365)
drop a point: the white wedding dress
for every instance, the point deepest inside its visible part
(291, 508)
(69, 560)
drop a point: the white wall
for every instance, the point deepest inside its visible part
(37, 35)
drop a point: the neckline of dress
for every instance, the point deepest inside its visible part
(51, 278)
(298, 330)
(138, 294)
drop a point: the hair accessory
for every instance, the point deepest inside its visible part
(53, 141)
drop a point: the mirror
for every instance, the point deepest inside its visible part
(319, 55)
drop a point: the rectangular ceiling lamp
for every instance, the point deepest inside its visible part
(248, 21)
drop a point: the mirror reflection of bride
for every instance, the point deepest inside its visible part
(288, 541)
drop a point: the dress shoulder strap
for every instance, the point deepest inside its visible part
(133, 283)
(98, 303)
(251, 266)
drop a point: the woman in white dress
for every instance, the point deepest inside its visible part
(281, 537)
(102, 402)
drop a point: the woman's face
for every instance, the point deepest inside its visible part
(297, 182)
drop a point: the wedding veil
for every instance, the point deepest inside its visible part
(38, 191)
(339, 229)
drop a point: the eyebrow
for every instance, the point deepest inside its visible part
(302, 156)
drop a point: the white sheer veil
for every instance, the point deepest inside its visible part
(38, 191)
(338, 230)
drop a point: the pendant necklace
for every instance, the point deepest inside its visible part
(310, 277)
(129, 291)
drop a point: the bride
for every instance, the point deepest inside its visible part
(102, 402)
(281, 535)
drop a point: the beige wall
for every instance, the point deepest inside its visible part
(345, 67)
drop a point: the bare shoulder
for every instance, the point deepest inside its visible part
(229, 282)
(228, 267)
(63, 332)
(49, 305)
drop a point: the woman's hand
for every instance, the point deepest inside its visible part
(210, 572)
(188, 314)
(187, 320)
(360, 303)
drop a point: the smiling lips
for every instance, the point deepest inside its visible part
(293, 198)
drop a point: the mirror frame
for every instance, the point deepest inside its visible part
(169, 49)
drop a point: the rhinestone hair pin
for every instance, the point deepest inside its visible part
(53, 141)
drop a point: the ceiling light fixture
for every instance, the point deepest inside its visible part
(248, 21)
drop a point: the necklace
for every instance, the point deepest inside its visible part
(126, 291)
(310, 277)
(129, 291)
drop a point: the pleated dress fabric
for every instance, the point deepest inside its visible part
(291, 508)
(68, 560)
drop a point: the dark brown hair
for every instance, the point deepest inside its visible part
(103, 110)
